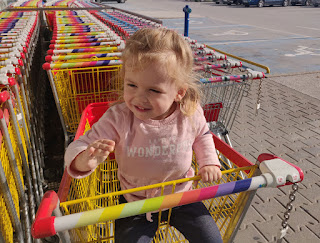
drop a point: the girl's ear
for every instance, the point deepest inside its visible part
(180, 94)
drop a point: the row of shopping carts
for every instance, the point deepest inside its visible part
(22, 152)
(83, 65)
(83, 62)
(26, 4)
(224, 82)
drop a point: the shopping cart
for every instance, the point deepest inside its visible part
(224, 82)
(11, 79)
(15, 169)
(75, 85)
(81, 68)
(222, 97)
(90, 205)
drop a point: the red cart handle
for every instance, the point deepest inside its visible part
(4, 96)
(43, 224)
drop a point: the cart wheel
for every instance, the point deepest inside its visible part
(260, 3)
(52, 239)
(285, 3)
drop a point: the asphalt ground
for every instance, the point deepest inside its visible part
(288, 123)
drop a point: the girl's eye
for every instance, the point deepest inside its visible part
(155, 91)
(132, 85)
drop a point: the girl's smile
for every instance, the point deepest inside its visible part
(141, 109)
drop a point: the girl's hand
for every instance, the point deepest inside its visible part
(210, 173)
(95, 154)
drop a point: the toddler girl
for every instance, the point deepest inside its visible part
(153, 132)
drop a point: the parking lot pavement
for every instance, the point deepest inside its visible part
(287, 125)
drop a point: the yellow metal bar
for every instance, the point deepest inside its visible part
(242, 59)
(195, 178)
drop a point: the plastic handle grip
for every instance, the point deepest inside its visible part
(4, 96)
(17, 71)
(265, 157)
(48, 58)
(43, 225)
(46, 66)
(12, 81)
(20, 62)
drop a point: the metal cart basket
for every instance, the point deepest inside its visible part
(75, 87)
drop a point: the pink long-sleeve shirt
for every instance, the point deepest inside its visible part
(150, 151)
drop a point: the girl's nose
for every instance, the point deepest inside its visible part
(142, 96)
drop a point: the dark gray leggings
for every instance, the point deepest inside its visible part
(192, 220)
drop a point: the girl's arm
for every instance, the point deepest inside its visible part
(84, 154)
(204, 148)
(207, 158)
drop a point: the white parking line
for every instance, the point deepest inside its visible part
(208, 27)
(252, 41)
(245, 25)
(230, 32)
(307, 28)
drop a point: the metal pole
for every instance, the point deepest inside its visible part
(56, 99)
(5, 191)
(186, 11)
(32, 159)
(23, 157)
(19, 185)
(31, 123)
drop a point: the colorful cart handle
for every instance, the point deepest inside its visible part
(48, 66)
(206, 67)
(277, 172)
(239, 78)
(96, 49)
(51, 58)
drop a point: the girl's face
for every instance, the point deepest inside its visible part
(149, 93)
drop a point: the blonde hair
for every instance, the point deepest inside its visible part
(166, 47)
